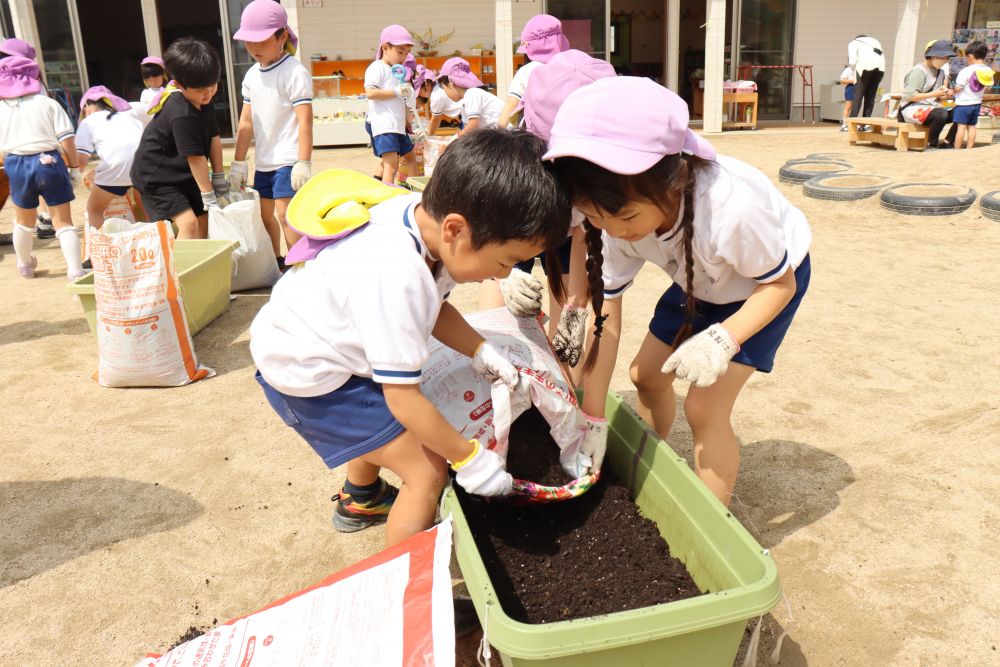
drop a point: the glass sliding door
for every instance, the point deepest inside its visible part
(241, 61)
(114, 44)
(57, 44)
(765, 38)
(585, 24)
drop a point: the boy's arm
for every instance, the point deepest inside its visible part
(304, 117)
(508, 110)
(69, 150)
(244, 133)
(435, 123)
(470, 126)
(380, 93)
(215, 155)
(419, 416)
(454, 331)
(199, 169)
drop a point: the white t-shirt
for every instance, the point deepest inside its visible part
(971, 91)
(366, 306)
(148, 94)
(114, 140)
(385, 116)
(442, 105)
(745, 234)
(477, 103)
(32, 124)
(519, 83)
(273, 92)
(848, 75)
(861, 53)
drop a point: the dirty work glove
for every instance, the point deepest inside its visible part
(220, 184)
(571, 334)
(420, 136)
(482, 473)
(238, 172)
(704, 357)
(595, 443)
(209, 200)
(492, 365)
(301, 172)
(404, 91)
(522, 292)
(75, 176)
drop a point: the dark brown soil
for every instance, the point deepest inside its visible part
(532, 454)
(583, 557)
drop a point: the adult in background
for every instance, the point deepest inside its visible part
(923, 89)
(865, 56)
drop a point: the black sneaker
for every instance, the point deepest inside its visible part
(351, 516)
(44, 228)
(88, 265)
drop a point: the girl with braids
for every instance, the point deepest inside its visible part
(735, 248)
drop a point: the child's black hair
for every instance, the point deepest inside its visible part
(149, 70)
(669, 184)
(496, 179)
(978, 50)
(101, 106)
(193, 63)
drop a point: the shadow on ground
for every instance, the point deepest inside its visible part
(48, 523)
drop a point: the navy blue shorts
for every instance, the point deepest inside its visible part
(389, 143)
(849, 92)
(563, 252)
(349, 422)
(29, 178)
(966, 114)
(116, 190)
(760, 349)
(275, 184)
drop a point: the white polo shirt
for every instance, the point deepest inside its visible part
(861, 53)
(519, 83)
(442, 105)
(477, 103)
(32, 124)
(273, 92)
(745, 234)
(966, 96)
(366, 306)
(114, 140)
(385, 116)
(147, 94)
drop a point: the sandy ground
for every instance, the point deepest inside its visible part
(870, 456)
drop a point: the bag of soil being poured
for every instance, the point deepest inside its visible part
(479, 410)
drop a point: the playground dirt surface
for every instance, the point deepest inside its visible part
(870, 456)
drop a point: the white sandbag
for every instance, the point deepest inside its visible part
(254, 264)
(142, 333)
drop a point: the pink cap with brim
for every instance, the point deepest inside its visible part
(95, 93)
(153, 60)
(552, 83)
(542, 38)
(18, 77)
(261, 19)
(410, 64)
(394, 34)
(423, 75)
(13, 46)
(459, 72)
(625, 124)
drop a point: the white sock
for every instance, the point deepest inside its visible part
(70, 244)
(24, 241)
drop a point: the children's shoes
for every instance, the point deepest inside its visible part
(352, 516)
(28, 270)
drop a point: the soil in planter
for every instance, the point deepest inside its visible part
(573, 559)
(532, 454)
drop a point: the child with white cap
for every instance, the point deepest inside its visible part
(479, 108)
(154, 75)
(386, 120)
(541, 39)
(734, 247)
(277, 111)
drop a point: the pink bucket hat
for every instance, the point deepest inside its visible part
(460, 73)
(95, 93)
(625, 124)
(153, 60)
(261, 19)
(423, 75)
(394, 34)
(542, 38)
(18, 77)
(410, 64)
(13, 46)
(551, 83)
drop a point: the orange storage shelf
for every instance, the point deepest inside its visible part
(354, 70)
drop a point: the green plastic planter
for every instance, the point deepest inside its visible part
(719, 553)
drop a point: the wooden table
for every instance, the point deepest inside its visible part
(740, 101)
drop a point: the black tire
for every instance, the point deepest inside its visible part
(828, 157)
(936, 198)
(996, 138)
(989, 205)
(802, 170)
(845, 186)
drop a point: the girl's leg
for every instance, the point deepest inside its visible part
(716, 450)
(187, 225)
(96, 203)
(271, 224)
(972, 136)
(655, 388)
(69, 240)
(280, 208)
(390, 165)
(203, 226)
(23, 238)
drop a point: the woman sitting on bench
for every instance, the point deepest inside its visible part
(924, 87)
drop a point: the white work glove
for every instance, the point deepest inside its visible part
(702, 358)
(75, 176)
(238, 172)
(220, 185)
(483, 473)
(404, 91)
(590, 456)
(301, 172)
(571, 334)
(209, 200)
(420, 136)
(492, 365)
(522, 292)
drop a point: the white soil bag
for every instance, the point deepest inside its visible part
(254, 265)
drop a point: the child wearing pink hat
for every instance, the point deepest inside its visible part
(736, 250)
(33, 129)
(154, 75)
(541, 39)
(277, 111)
(442, 107)
(386, 121)
(479, 108)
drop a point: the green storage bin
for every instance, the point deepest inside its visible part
(717, 550)
(204, 272)
(418, 183)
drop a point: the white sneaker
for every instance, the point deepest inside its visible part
(844, 128)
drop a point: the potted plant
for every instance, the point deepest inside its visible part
(428, 42)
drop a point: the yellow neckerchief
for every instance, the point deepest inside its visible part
(157, 102)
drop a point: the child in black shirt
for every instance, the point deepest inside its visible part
(170, 169)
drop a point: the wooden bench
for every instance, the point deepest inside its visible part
(904, 136)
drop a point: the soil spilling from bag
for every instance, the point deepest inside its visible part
(573, 559)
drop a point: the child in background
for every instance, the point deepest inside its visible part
(735, 249)
(170, 168)
(33, 128)
(340, 346)
(113, 137)
(154, 76)
(970, 84)
(442, 107)
(277, 110)
(479, 108)
(387, 112)
(848, 79)
(541, 39)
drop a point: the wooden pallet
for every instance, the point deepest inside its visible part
(904, 136)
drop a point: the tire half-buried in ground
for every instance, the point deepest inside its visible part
(996, 138)
(826, 157)
(802, 170)
(989, 205)
(928, 198)
(844, 187)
